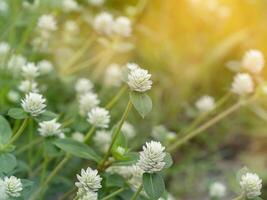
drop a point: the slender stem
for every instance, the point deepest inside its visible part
(89, 134)
(29, 145)
(136, 194)
(113, 194)
(116, 134)
(114, 100)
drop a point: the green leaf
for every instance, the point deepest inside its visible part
(114, 180)
(168, 161)
(77, 149)
(5, 130)
(47, 115)
(154, 185)
(8, 162)
(28, 187)
(129, 159)
(17, 113)
(141, 102)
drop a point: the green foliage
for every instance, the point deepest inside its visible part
(17, 113)
(8, 163)
(154, 185)
(141, 102)
(5, 130)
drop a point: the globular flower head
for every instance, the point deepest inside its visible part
(45, 67)
(122, 26)
(217, 190)
(253, 61)
(13, 96)
(50, 128)
(27, 86)
(83, 86)
(113, 75)
(139, 79)
(103, 23)
(15, 63)
(128, 130)
(47, 23)
(251, 184)
(86, 195)
(205, 104)
(71, 27)
(89, 180)
(102, 140)
(242, 84)
(99, 117)
(96, 2)
(4, 48)
(30, 71)
(33, 103)
(152, 157)
(70, 5)
(88, 101)
(78, 136)
(13, 186)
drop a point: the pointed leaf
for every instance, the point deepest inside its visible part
(8, 162)
(154, 185)
(17, 113)
(5, 130)
(141, 102)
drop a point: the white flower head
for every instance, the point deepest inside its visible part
(113, 75)
(103, 23)
(242, 84)
(205, 104)
(33, 103)
(45, 66)
(217, 190)
(13, 186)
(102, 140)
(152, 157)
(86, 195)
(71, 27)
(89, 180)
(15, 63)
(3, 192)
(47, 23)
(78, 136)
(30, 71)
(13, 96)
(4, 49)
(139, 79)
(50, 128)
(99, 117)
(88, 101)
(128, 130)
(251, 184)
(4, 7)
(83, 85)
(70, 5)
(27, 86)
(253, 61)
(122, 26)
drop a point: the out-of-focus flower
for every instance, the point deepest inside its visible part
(86, 195)
(33, 103)
(70, 6)
(3, 190)
(47, 23)
(103, 23)
(87, 101)
(13, 186)
(242, 84)
(78, 136)
(161, 133)
(50, 128)
(205, 104)
(152, 157)
(128, 130)
(45, 66)
(13, 96)
(251, 184)
(96, 2)
(71, 27)
(113, 75)
(122, 26)
(4, 49)
(3, 7)
(15, 63)
(253, 61)
(138, 79)
(217, 190)
(83, 86)
(27, 86)
(99, 117)
(30, 71)
(102, 140)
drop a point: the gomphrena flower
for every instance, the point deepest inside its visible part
(103, 23)
(50, 128)
(88, 101)
(89, 180)
(70, 5)
(251, 185)
(3, 193)
(96, 2)
(4, 49)
(12, 186)
(33, 103)
(217, 190)
(152, 157)
(138, 79)
(47, 23)
(45, 66)
(27, 86)
(113, 75)
(13, 96)
(78, 136)
(99, 117)
(30, 71)
(71, 27)
(205, 104)
(253, 61)
(242, 84)
(122, 26)
(86, 195)
(102, 139)
(15, 63)
(128, 130)
(83, 85)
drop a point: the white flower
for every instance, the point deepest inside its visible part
(70, 5)
(4, 49)
(78, 136)
(139, 79)
(217, 190)
(13, 186)
(47, 23)
(50, 128)
(83, 86)
(71, 27)
(3, 7)
(102, 140)
(86, 195)
(3, 192)
(33, 103)
(152, 157)
(87, 101)
(28, 86)
(103, 23)
(99, 117)
(13, 96)
(128, 130)
(132, 66)
(122, 26)
(251, 184)
(15, 63)
(205, 104)
(113, 75)
(89, 180)
(242, 84)
(45, 66)
(253, 61)
(96, 2)
(30, 71)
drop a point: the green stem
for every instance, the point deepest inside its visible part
(29, 145)
(240, 197)
(68, 193)
(89, 134)
(136, 194)
(113, 194)
(116, 134)
(114, 100)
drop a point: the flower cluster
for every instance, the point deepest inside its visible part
(251, 184)
(33, 103)
(99, 117)
(217, 190)
(50, 128)
(205, 104)
(10, 187)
